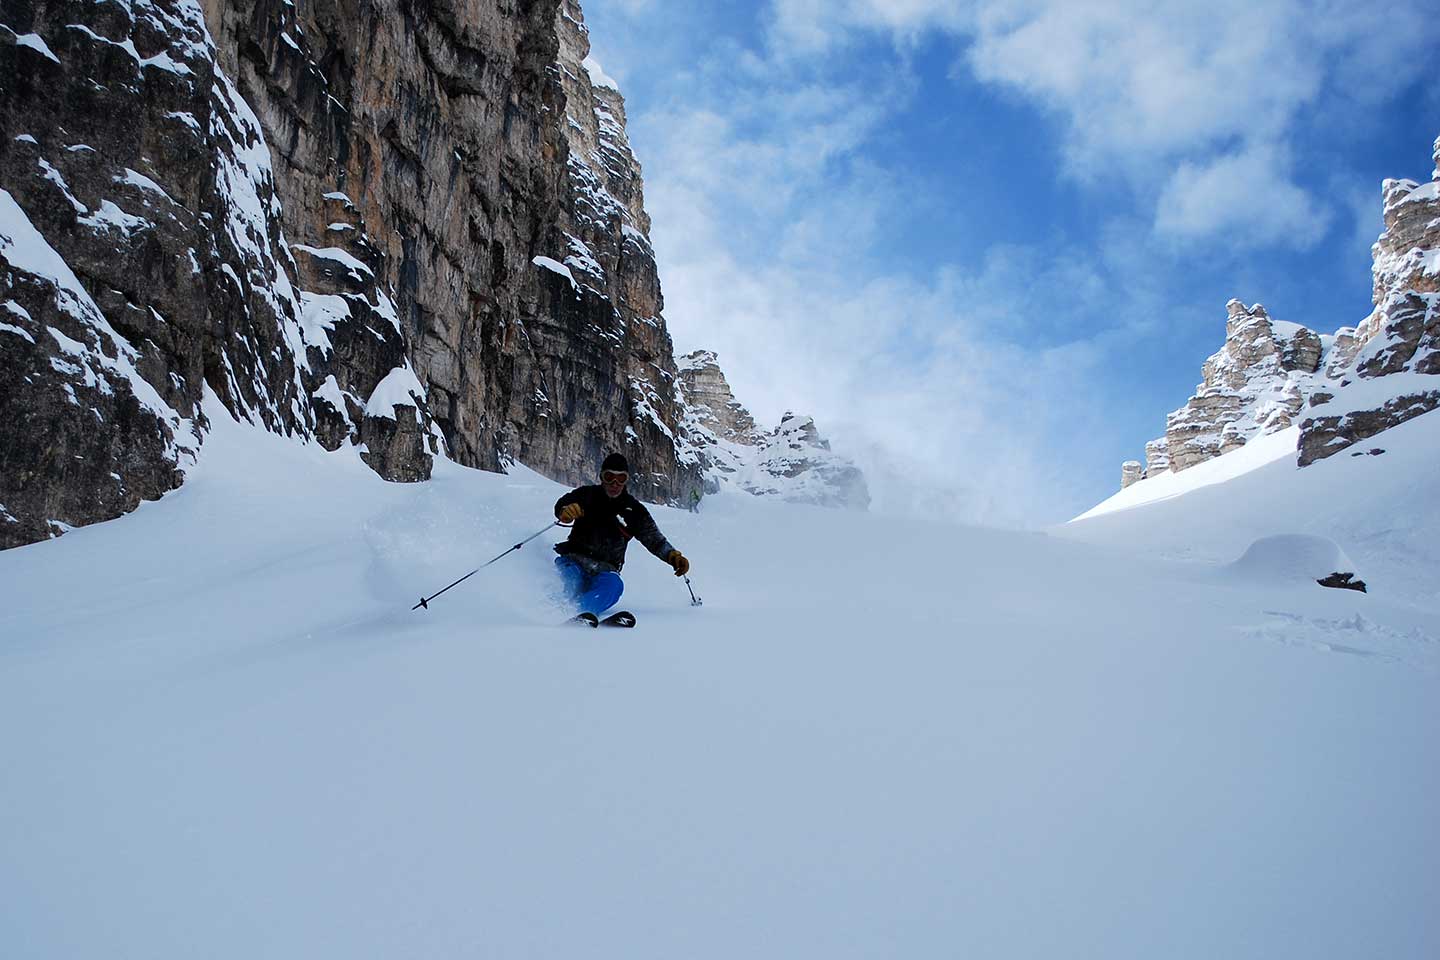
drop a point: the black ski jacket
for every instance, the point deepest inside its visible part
(604, 530)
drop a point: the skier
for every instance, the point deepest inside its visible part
(605, 519)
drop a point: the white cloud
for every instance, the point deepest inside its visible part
(1160, 94)
(810, 27)
(1244, 197)
(922, 379)
(1135, 84)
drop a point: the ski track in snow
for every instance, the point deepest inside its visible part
(227, 735)
(1354, 636)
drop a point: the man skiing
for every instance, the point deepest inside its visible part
(605, 519)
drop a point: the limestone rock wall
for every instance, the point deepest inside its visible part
(710, 395)
(793, 462)
(1387, 370)
(1255, 384)
(606, 247)
(1341, 388)
(410, 226)
(796, 464)
(467, 136)
(143, 260)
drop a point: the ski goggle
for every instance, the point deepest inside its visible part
(612, 476)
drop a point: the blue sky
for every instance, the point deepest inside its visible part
(988, 244)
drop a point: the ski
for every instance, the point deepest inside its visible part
(583, 619)
(621, 618)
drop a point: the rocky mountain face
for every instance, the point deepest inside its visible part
(607, 250)
(792, 462)
(1340, 388)
(1387, 370)
(796, 464)
(411, 227)
(715, 406)
(144, 261)
(1255, 384)
(504, 206)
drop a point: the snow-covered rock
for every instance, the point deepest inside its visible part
(1341, 388)
(249, 197)
(793, 462)
(143, 256)
(796, 464)
(710, 396)
(623, 380)
(1388, 369)
(1295, 558)
(1255, 384)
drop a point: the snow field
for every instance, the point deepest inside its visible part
(227, 735)
(1380, 510)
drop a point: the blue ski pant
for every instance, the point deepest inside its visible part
(592, 593)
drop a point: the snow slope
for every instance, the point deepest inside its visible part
(1382, 509)
(226, 735)
(1163, 486)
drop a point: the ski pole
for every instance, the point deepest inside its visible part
(694, 600)
(425, 601)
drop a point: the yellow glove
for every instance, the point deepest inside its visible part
(570, 513)
(677, 560)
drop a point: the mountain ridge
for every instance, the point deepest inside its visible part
(1341, 388)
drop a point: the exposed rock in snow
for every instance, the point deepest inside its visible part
(1342, 388)
(1254, 385)
(161, 262)
(715, 405)
(1389, 368)
(252, 200)
(514, 155)
(792, 462)
(353, 341)
(393, 436)
(608, 257)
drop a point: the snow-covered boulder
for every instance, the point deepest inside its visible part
(1294, 558)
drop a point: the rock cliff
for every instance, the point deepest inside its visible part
(1255, 384)
(412, 227)
(144, 261)
(505, 209)
(1387, 370)
(792, 462)
(1340, 388)
(715, 406)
